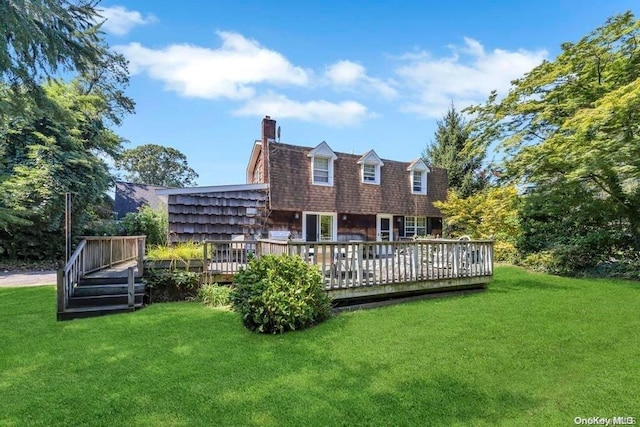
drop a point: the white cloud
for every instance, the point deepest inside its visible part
(333, 114)
(120, 21)
(353, 76)
(465, 77)
(230, 71)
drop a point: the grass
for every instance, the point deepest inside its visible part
(533, 349)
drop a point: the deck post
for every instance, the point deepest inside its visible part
(61, 290)
(131, 287)
(141, 245)
(358, 254)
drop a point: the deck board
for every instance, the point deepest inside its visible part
(115, 272)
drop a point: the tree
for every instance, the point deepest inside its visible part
(452, 150)
(43, 37)
(574, 121)
(492, 213)
(52, 148)
(156, 165)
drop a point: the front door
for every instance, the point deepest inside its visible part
(384, 229)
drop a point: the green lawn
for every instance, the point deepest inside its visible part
(531, 350)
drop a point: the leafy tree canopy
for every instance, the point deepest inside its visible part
(492, 213)
(156, 165)
(575, 119)
(452, 150)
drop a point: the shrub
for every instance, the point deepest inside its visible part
(505, 252)
(542, 261)
(275, 294)
(171, 284)
(148, 222)
(214, 295)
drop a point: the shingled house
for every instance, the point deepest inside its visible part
(318, 194)
(312, 194)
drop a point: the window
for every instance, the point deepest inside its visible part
(322, 158)
(321, 170)
(369, 173)
(415, 225)
(417, 181)
(370, 165)
(418, 171)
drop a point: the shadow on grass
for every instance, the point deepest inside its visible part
(181, 363)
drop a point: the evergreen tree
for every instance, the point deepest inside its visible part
(452, 151)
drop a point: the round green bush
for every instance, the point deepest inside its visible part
(275, 294)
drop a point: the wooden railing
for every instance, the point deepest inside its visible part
(106, 251)
(96, 253)
(358, 264)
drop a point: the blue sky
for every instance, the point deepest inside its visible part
(360, 75)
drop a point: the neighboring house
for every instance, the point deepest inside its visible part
(130, 197)
(307, 193)
(319, 194)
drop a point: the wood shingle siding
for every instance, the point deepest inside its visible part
(291, 187)
(213, 215)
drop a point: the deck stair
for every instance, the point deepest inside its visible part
(112, 287)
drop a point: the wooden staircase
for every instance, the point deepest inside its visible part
(97, 282)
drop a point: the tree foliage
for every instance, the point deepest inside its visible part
(492, 213)
(452, 150)
(573, 122)
(156, 165)
(40, 38)
(52, 149)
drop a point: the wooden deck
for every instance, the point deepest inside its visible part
(356, 270)
(118, 271)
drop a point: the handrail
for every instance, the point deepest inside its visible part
(96, 253)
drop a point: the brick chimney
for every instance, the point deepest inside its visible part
(268, 134)
(268, 129)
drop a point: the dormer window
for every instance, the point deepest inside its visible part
(370, 168)
(322, 158)
(321, 170)
(417, 182)
(369, 174)
(418, 171)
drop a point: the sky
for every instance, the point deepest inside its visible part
(359, 75)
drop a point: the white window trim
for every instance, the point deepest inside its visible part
(423, 181)
(419, 166)
(313, 177)
(335, 222)
(415, 227)
(322, 150)
(376, 181)
(372, 159)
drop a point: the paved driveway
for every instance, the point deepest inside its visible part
(27, 278)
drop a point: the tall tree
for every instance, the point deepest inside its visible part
(156, 165)
(42, 37)
(451, 150)
(59, 146)
(574, 120)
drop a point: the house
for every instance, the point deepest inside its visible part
(312, 194)
(318, 194)
(130, 197)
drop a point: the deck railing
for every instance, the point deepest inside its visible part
(96, 253)
(106, 251)
(359, 264)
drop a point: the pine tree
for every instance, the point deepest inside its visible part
(451, 151)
